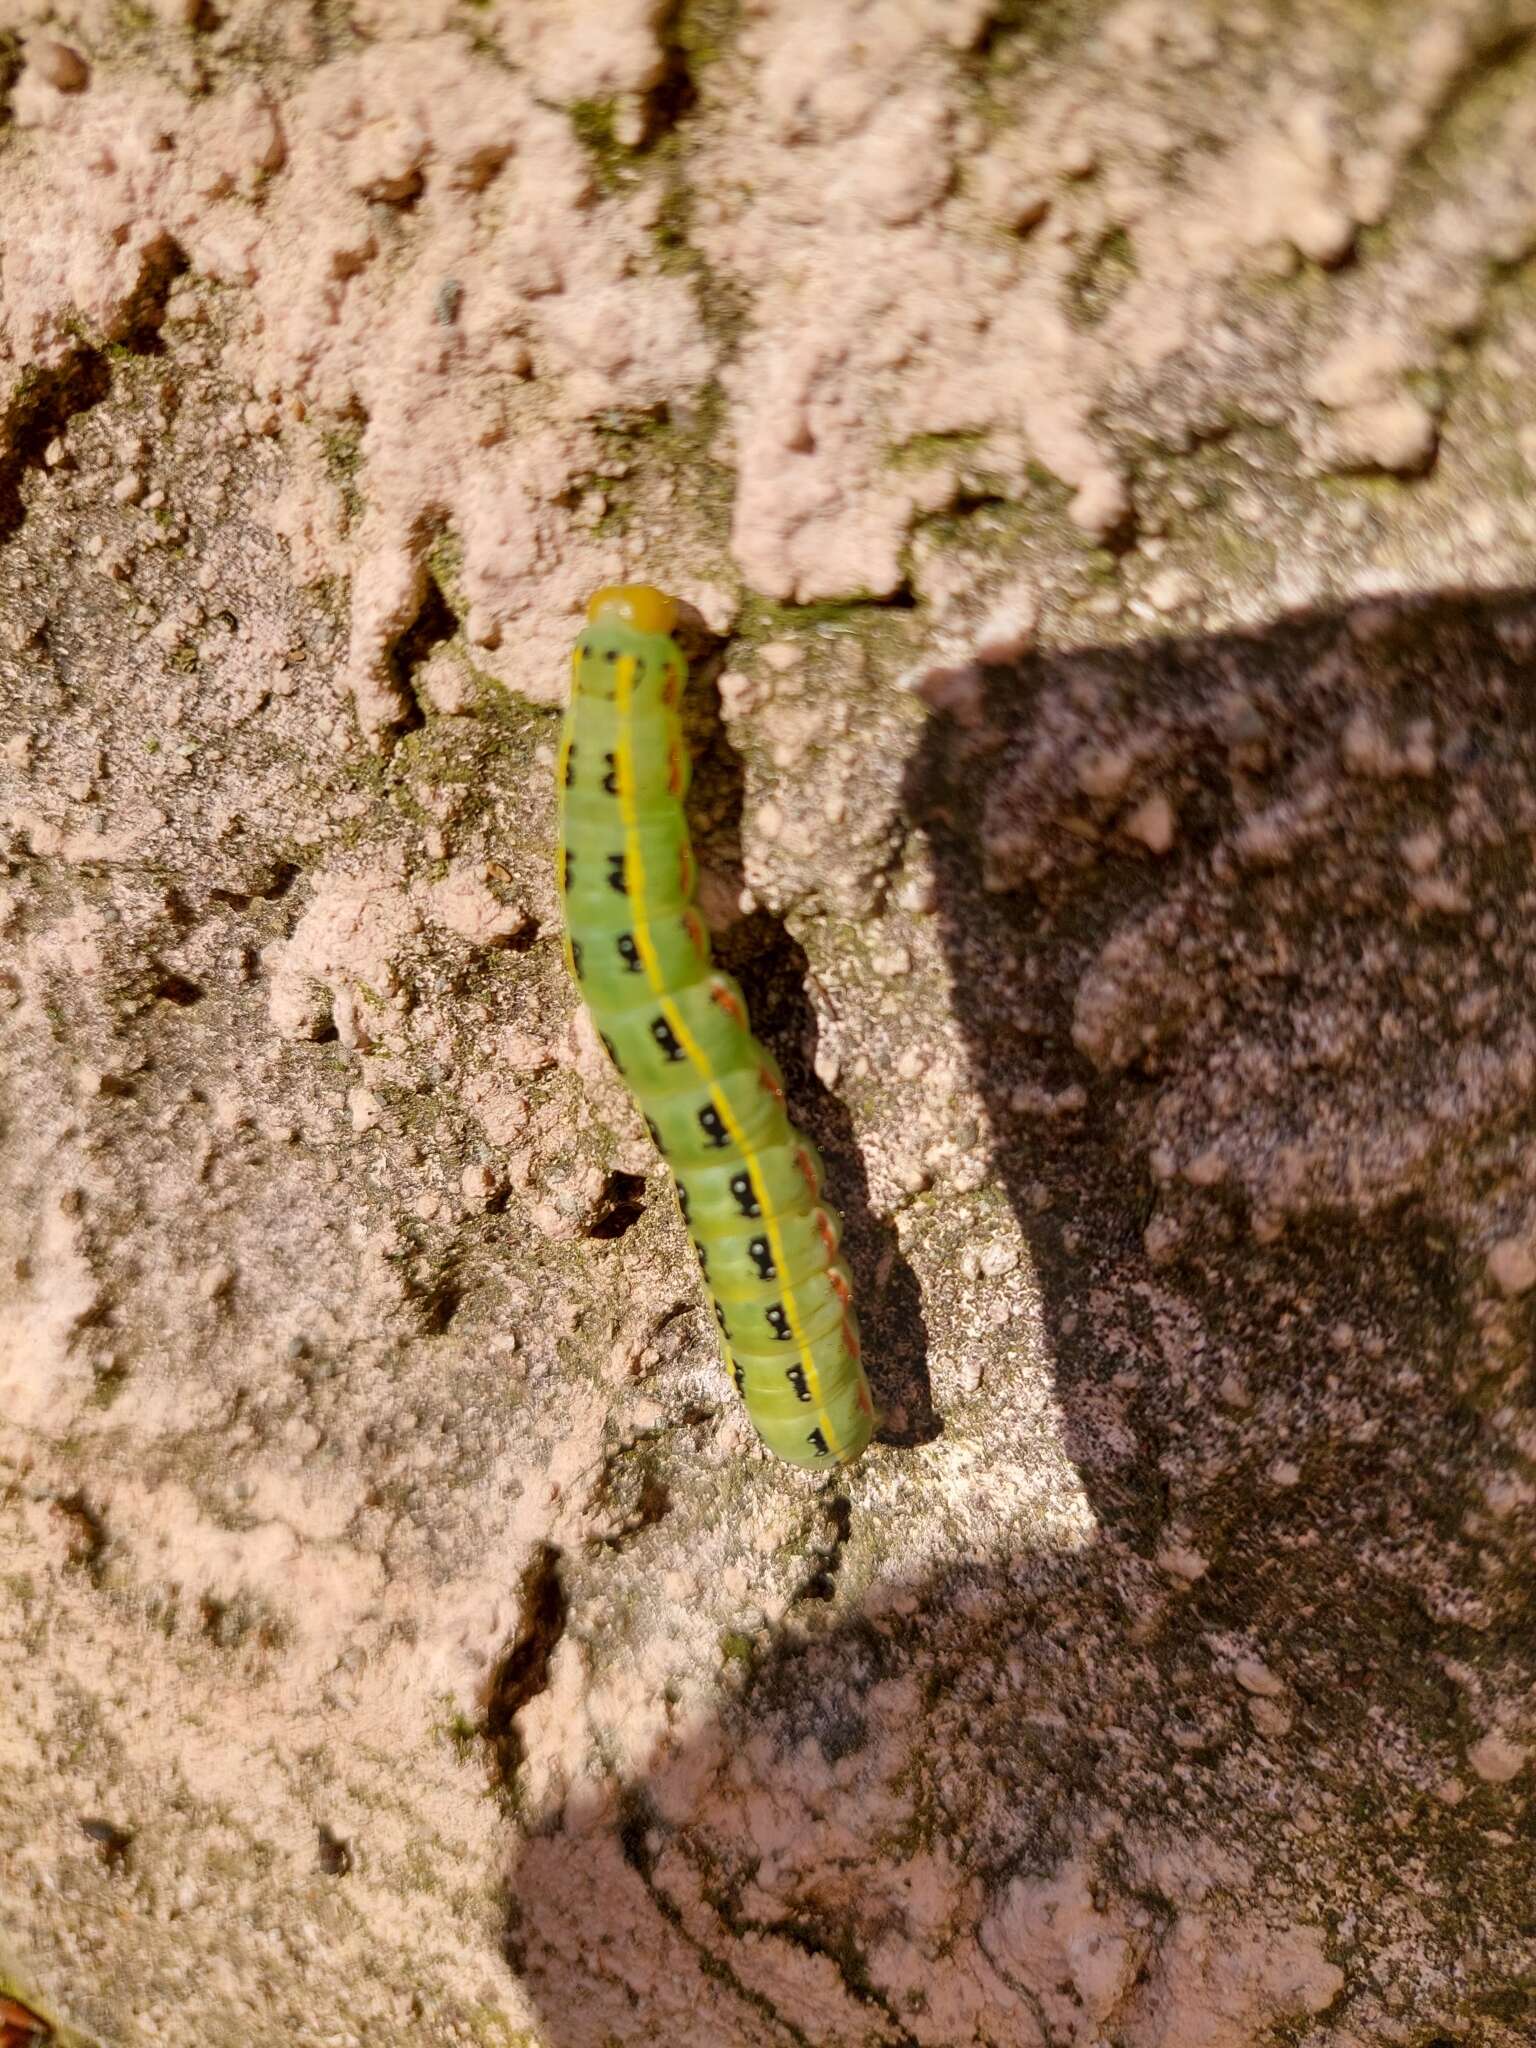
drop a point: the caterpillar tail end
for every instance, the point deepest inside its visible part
(788, 1440)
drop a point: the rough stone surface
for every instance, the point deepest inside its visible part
(1096, 441)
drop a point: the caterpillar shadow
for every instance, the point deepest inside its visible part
(775, 975)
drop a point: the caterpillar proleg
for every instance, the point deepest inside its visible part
(748, 1183)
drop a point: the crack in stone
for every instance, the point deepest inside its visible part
(522, 1671)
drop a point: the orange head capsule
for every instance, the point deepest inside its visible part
(633, 604)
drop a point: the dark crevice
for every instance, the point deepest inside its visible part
(645, 1503)
(434, 626)
(1485, 65)
(675, 95)
(228, 1623)
(137, 327)
(334, 1853)
(88, 1548)
(623, 1204)
(179, 989)
(282, 877)
(852, 1970)
(821, 1582)
(112, 1842)
(522, 1671)
(44, 403)
(439, 1302)
(10, 69)
(46, 400)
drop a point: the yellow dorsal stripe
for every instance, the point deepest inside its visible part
(635, 882)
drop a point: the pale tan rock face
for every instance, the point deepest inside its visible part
(404, 1638)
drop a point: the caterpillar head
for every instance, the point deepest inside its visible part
(635, 605)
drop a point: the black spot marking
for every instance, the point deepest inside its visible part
(566, 858)
(720, 1316)
(760, 1254)
(818, 1444)
(576, 957)
(712, 1126)
(616, 878)
(611, 778)
(666, 1038)
(795, 1374)
(629, 952)
(746, 1200)
(608, 1047)
(683, 1204)
(703, 1258)
(778, 1321)
(570, 764)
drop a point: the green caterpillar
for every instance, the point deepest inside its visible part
(748, 1183)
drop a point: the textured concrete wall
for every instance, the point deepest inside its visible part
(1098, 441)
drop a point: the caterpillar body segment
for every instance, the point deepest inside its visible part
(676, 1027)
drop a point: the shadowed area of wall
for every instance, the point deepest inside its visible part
(1240, 935)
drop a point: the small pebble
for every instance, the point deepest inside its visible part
(1257, 1678)
(1100, 506)
(364, 1108)
(60, 66)
(215, 1281)
(918, 894)
(1104, 774)
(1180, 1561)
(1008, 632)
(1496, 1759)
(1269, 1718)
(1172, 590)
(480, 1184)
(1421, 850)
(1207, 1169)
(1512, 1266)
(1153, 824)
